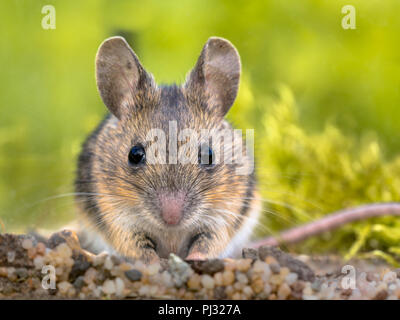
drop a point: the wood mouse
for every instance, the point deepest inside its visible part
(145, 210)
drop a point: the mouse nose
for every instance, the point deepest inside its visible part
(171, 206)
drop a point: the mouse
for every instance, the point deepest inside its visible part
(133, 203)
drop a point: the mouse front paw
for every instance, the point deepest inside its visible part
(200, 247)
(149, 256)
(146, 249)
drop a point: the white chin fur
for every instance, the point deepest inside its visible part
(242, 237)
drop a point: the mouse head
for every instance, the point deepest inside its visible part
(175, 190)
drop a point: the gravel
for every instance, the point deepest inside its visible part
(133, 275)
(27, 268)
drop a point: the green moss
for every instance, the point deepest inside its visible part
(305, 175)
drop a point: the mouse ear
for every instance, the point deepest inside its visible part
(119, 75)
(216, 74)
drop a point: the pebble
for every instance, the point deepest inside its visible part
(64, 250)
(207, 281)
(276, 279)
(262, 267)
(166, 279)
(108, 263)
(307, 291)
(27, 244)
(238, 286)
(63, 287)
(109, 287)
(153, 269)
(154, 290)
(97, 292)
(248, 292)
(71, 292)
(236, 296)
(392, 287)
(267, 289)
(389, 276)
(250, 253)
(220, 293)
(3, 272)
(144, 290)
(133, 275)
(31, 252)
(291, 278)
(125, 266)
(218, 279)
(229, 290)
(270, 260)
(10, 256)
(180, 270)
(316, 285)
(41, 248)
(284, 271)
(21, 273)
(275, 268)
(230, 264)
(381, 295)
(79, 282)
(90, 275)
(244, 264)
(139, 265)
(228, 277)
(284, 291)
(241, 278)
(257, 285)
(11, 274)
(209, 266)
(371, 276)
(59, 271)
(194, 282)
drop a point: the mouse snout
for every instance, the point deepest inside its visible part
(171, 207)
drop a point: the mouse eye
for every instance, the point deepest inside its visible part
(137, 155)
(206, 156)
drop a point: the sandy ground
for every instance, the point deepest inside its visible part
(267, 273)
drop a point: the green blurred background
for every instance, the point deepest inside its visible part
(323, 101)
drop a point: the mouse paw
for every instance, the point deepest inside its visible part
(149, 257)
